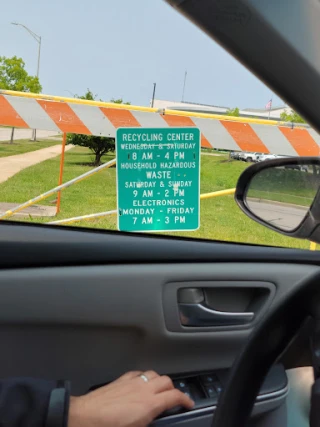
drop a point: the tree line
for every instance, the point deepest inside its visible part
(291, 117)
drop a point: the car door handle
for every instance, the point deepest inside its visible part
(202, 315)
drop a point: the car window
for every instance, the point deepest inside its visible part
(139, 128)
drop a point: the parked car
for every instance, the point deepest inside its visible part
(264, 157)
(256, 156)
(241, 155)
(235, 155)
(251, 157)
(302, 168)
(247, 157)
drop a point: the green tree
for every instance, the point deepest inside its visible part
(99, 145)
(13, 76)
(235, 112)
(120, 101)
(293, 117)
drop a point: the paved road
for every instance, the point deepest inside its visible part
(5, 134)
(283, 216)
(11, 165)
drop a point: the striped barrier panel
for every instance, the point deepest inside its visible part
(103, 119)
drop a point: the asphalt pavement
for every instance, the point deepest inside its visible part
(282, 215)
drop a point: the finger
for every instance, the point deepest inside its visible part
(169, 399)
(151, 375)
(161, 384)
(130, 375)
(146, 378)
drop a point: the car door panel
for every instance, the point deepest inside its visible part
(93, 317)
(264, 415)
(123, 307)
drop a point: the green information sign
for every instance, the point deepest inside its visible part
(158, 179)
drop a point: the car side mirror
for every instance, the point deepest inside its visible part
(283, 194)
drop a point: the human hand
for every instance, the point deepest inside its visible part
(127, 402)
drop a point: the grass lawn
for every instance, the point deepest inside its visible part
(24, 146)
(269, 196)
(221, 219)
(285, 185)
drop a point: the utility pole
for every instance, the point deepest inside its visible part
(184, 85)
(270, 109)
(38, 40)
(153, 95)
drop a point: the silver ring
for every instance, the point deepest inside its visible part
(145, 379)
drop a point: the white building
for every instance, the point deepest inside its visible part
(262, 113)
(212, 109)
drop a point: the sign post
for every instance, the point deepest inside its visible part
(158, 179)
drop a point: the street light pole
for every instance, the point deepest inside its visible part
(153, 95)
(184, 86)
(38, 40)
(39, 54)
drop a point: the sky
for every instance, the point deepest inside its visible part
(119, 48)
